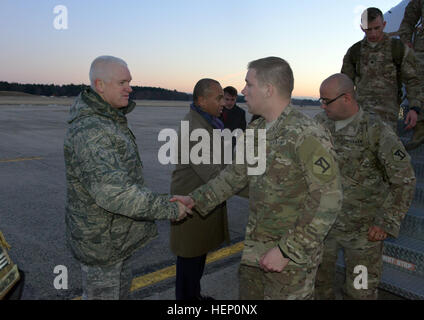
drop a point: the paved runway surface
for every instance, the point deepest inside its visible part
(32, 198)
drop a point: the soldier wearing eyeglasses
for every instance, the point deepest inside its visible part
(378, 186)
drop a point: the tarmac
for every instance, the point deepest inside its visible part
(32, 199)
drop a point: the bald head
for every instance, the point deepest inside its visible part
(339, 83)
(338, 97)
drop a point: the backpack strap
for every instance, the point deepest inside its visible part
(355, 55)
(398, 51)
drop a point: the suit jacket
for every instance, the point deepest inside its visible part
(234, 118)
(196, 235)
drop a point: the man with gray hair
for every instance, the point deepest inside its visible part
(378, 187)
(293, 204)
(110, 212)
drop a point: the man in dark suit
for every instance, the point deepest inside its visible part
(232, 115)
(191, 239)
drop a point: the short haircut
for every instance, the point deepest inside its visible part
(275, 71)
(231, 91)
(100, 68)
(201, 89)
(370, 15)
(341, 84)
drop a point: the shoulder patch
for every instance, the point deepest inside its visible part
(398, 154)
(322, 166)
(315, 155)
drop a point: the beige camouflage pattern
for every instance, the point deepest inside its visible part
(378, 188)
(295, 202)
(293, 283)
(377, 176)
(358, 251)
(112, 282)
(377, 87)
(408, 32)
(109, 211)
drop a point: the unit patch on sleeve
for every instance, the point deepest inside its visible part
(321, 165)
(398, 155)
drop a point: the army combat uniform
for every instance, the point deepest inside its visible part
(409, 32)
(293, 205)
(376, 81)
(109, 211)
(378, 187)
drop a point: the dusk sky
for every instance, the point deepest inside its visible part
(172, 44)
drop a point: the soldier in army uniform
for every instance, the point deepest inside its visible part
(378, 184)
(378, 65)
(109, 211)
(411, 32)
(293, 204)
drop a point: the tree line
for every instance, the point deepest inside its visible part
(73, 90)
(139, 93)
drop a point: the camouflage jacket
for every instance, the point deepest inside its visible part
(377, 176)
(295, 202)
(377, 85)
(109, 211)
(413, 13)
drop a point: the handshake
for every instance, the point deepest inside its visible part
(185, 204)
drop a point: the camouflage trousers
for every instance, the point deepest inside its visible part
(389, 116)
(358, 251)
(420, 64)
(106, 282)
(293, 283)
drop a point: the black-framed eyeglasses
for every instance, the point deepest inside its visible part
(327, 102)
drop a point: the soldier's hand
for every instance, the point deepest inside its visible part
(183, 211)
(411, 119)
(273, 261)
(376, 234)
(409, 44)
(186, 200)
